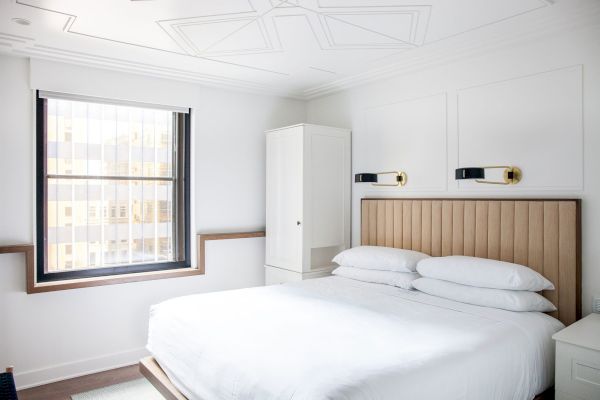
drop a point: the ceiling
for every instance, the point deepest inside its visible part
(298, 48)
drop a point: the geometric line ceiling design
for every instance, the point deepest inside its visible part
(284, 46)
(335, 28)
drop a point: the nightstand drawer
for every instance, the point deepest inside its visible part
(577, 372)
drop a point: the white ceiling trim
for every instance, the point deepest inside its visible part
(15, 46)
(319, 20)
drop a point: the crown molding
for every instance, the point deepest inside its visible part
(24, 47)
(466, 46)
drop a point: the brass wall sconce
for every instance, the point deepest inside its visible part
(511, 176)
(400, 178)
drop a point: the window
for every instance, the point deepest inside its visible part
(112, 188)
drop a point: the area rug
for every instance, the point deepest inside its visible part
(137, 389)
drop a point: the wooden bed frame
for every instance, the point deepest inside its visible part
(544, 234)
(154, 373)
(157, 377)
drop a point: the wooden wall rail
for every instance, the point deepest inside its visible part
(203, 237)
(28, 249)
(33, 287)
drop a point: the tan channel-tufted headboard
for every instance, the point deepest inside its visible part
(544, 235)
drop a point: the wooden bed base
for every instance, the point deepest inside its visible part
(157, 377)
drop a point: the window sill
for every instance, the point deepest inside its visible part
(111, 280)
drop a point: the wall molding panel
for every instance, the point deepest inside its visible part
(400, 133)
(534, 122)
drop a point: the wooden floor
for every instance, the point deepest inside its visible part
(64, 389)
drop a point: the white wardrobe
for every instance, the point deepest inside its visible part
(307, 199)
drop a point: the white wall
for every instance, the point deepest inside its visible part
(51, 336)
(534, 105)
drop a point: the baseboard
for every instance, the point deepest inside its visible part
(59, 372)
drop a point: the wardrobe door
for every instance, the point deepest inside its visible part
(326, 194)
(284, 221)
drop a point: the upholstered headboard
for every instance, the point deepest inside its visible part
(544, 235)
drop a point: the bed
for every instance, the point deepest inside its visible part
(336, 338)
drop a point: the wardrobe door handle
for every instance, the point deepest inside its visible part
(298, 223)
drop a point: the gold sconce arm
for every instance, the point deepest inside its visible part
(401, 178)
(512, 175)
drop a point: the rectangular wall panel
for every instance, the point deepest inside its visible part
(401, 133)
(531, 122)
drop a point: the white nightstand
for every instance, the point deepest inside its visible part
(578, 360)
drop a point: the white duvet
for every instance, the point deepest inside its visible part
(334, 338)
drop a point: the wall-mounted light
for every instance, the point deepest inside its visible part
(399, 177)
(511, 175)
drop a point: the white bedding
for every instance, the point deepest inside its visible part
(335, 338)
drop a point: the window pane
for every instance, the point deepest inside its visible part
(102, 223)
(110, 186)
(102, 139)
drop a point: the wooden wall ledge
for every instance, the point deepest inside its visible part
(28, 249)
(16, 248)
(203, 237)
(33, 287)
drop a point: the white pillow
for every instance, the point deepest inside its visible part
(399, 279)
(380, 258)
(511, 300)
(483, 272)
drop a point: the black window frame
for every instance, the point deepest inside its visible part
(42, 275)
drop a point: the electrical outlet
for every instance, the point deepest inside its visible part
(596, 304)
